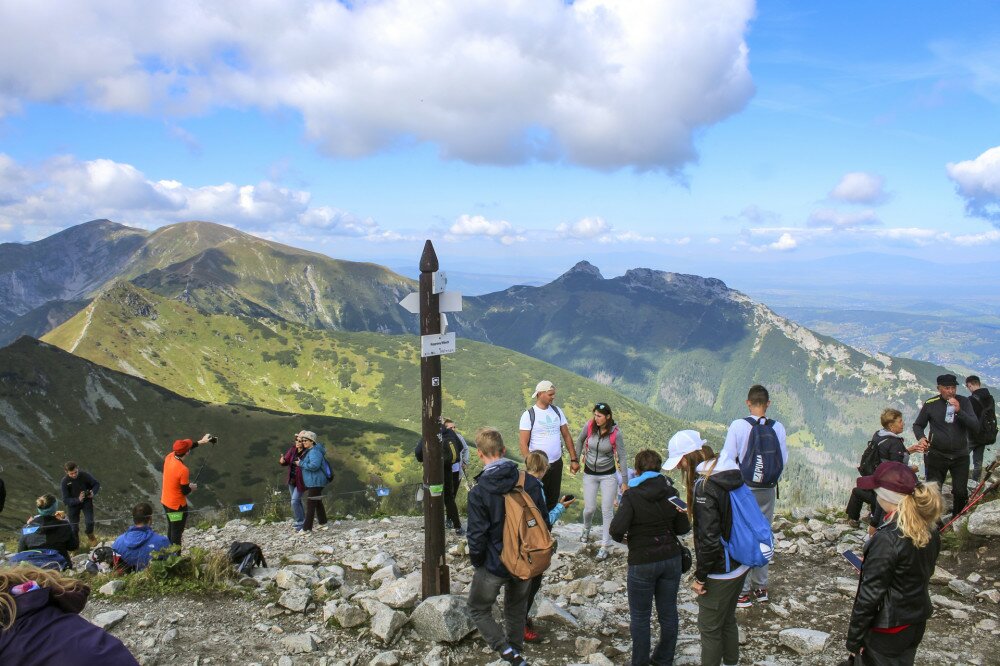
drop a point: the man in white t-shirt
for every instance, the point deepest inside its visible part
(735, 448)
(544, 428)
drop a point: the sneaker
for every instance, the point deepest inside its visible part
(854, 523)
(530, 635)
(323, 527)
(744, 601)
(459, 531)
(585, 537)
(602, 554)
(760, 595)
(512, 656)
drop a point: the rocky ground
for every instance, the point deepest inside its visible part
(349, 595)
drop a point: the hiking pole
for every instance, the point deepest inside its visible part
(971, 504)
(986, 477)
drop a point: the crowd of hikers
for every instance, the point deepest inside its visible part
(729, 503)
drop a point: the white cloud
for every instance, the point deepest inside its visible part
(62, 191)
(978, 182)
(784, 243)
(585, 228)
(755, 215)
(827, 217)
(763, 239)
(860, 188)
(600, 83)
(477, 226)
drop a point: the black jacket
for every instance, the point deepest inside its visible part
(52, 533)
(71, 488)
(892, 591)
(982, 401)
(713, 521)
(649, 521)
(890, 447)
(950, 440)
(487, 512)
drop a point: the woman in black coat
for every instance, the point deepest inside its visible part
(649, 524)
(54, 532)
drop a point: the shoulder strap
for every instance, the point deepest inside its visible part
(531, 417)
(520, 480)
(558, 413)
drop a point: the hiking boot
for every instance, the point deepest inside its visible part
(92, 540)
(459, 531)
(512, 656)
(530, 635)
(854, 523)
(760, 595)
(744, 601)
(602, 554)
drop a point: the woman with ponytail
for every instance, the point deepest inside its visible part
(892, 604)
(718, 579)
(53, 531)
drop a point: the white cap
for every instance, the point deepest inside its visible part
(681, 444)
(543, 386)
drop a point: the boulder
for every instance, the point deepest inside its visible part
(388, 573)
(547, 610)
(804, 641)
(986, 520)
(380, 560)
(941, 576)
(384, 659)
(386, 624)
(443, 619)
(108, 619)
(401, 593)
(112, 587)
(299, 643)
(962, 587)
(587, 646)
(289, 580)
(350, 615)
(295, 600)
(303, 558)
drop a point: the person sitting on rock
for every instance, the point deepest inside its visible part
(40, 623)
(54, 531)
(892, 604)
(138, 544)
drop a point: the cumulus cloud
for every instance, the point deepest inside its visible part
(978, 182)
(859, 187)
(64, 191)
(585, 228)
(599, 83)
(477, 226)
(834, 218)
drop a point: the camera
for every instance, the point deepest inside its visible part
(213, 439)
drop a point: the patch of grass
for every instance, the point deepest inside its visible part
(198, 571)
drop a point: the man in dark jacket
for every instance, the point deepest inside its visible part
(451, 452)
(485, 537)
(138, 544)
(78, 492)
(952, 421)
(982, 403)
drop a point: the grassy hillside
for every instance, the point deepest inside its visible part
(56, 406)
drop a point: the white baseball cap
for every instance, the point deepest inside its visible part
(543, 386)
(681, 444)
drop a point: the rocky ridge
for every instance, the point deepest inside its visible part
(350, 595)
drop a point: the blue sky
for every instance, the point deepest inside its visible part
(527, 134)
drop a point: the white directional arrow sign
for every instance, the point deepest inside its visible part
(450, 301)
(411, 303)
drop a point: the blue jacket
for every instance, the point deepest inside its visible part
(137, 545)
(48, 630)
(486, 513)
(312, 467)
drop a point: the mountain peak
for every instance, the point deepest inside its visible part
(584, 268)
(654, 279)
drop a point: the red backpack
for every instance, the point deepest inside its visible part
(614, 444)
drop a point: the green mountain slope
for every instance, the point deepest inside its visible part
(56, 406)
(691, 346)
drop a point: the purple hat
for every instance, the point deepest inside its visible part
(894, 476)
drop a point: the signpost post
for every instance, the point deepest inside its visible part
(430, 302)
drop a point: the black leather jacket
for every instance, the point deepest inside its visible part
(713, 521)
(892, 591)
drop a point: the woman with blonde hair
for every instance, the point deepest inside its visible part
(51, 531)
(40, 623)
(892, 604)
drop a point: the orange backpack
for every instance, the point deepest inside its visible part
(527, 544)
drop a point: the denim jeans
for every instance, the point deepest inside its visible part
(298, 513)
(646, 582)
(73, 514)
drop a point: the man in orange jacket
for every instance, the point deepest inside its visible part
(177, 486)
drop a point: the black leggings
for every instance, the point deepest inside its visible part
(175, 528)
(314, 508)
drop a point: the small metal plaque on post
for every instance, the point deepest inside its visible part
(438, 282)
(435, 345)
(450, 301)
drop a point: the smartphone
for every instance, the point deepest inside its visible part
(679, 503)
(852, 557)
(568, 498)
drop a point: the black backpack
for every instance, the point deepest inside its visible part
(245, 556)
(451, 450)
(987, 423)
(871, 458)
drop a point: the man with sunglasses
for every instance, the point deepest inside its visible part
(544, 428)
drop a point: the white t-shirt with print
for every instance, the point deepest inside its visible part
(546, 435)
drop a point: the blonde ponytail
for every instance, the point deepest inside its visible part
(919, 512)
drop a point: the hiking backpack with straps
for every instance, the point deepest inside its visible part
(531, 417)
(43, 558)
(762, 463)
(751, 541)
(872, 457)
(527, 543)
(987, 423)
(245, 556)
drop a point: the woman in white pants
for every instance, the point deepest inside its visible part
(604, 463)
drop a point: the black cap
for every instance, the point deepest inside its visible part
(947, 380)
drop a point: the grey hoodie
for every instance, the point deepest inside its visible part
(597, 455)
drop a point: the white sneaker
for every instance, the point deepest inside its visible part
(602, 554)
(585, 537)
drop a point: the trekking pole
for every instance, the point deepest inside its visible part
(971, 504)
(986, 477)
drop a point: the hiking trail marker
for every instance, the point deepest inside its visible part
(430, 303)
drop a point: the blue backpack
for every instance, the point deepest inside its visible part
(327, 470)
(43, 558)
(750, 540)
(762, 463)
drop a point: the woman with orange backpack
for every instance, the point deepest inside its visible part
(604, 461)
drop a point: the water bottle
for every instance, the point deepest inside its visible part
(949, 414)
